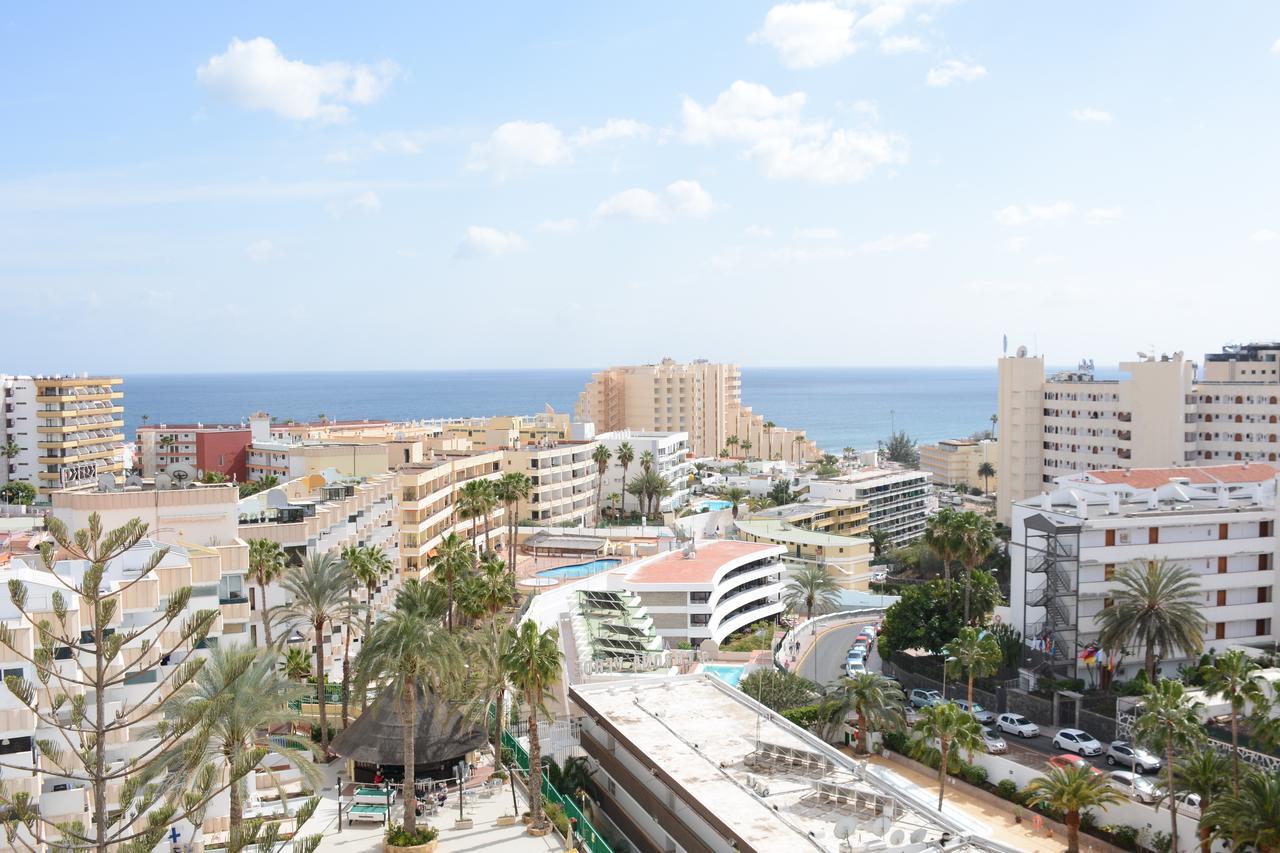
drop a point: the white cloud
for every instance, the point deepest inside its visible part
(899, 243)
(1015, 215)
(255, 75)
(614, 128)
(774, 134)
(954, 71)
(901, 44)
(680, 200)
(1275, 48)
(758, 231)
(259, 250)
(517, 144)
(1264, 235)
(482, 241)
(818, 233)
(401, 143)
(1017, 244)
(1102, 215)
(558, 226)
(807, 35)
(367, 201)
(1090, 114)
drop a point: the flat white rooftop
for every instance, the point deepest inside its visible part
(713, 743)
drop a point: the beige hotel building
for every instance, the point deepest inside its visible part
(1162, 413)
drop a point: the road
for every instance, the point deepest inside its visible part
(826, 664)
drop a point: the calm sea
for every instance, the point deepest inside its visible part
(838, 406)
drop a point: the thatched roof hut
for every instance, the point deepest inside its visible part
(443, 736)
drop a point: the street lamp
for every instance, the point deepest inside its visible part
(951, 659)
(339, 802)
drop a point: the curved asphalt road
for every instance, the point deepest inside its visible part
(824, 661)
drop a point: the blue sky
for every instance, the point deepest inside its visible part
(312, 186)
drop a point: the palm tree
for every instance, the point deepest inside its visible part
(612, 500)
(626, 455)
(813, 590)
(1231, 678)
(319, 590)
(876, 701)
(355, 558)
(266, 564)
(768, 439)
(977, 653)
(1169, 722)
(880, 539)
(646, 461)
(797, 442)
(601, 456)
(493, 587)
(412, 653)
(734, 495)
(732, 442)
(240, 696)
(976, 536)
(1203, 772)
(986, 471)
(1156, 604)
(534, 664)
(1250, 819)
(745, 444)
(476, 500)
(513, 487)
(941, 535)
(1072, 790)
(453, 558)
(487, 654)
(951, 728)
(994, 420)
(296, 664)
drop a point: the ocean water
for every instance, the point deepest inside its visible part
(838, 406)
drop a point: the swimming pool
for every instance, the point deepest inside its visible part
(580, 570)
(729, 673)
(712, 506)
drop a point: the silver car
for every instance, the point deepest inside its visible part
(993, 742)
(1134, 785)
(1134, 757)
(980, 713)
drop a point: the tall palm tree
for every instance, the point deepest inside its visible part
(745, 444)
(266, 564)
(647, 461)
(1203, 772)
(534, 665)
(732, 443)
(487, 653)
(1230, 677)
(1169, 722)
(880, 539)
(734, 495)
(1072, 790)
(976, 536)
(994, 420)
(493, 587)
(941, 536)
(1250, 819)
(240, 696)
(296, 664)
(472, 504)
(986, 471)
(369, 570)
(977, 653)
(951, 728)
(452, 560)
(768, 439)
(1156, 604)
(412, 652)
(355, 558)
(877, 702)
(319, 592)
(513, 487)
(601, 456)
(626, 455)
(812, 590)
(798, 443)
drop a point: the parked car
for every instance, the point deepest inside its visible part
(924, 698)
(852, 668)
(980, 713)
(1067, 760)
(869, 630)
(993, 742)
(1188, 803)
(1015, 724)
(1134, 757)
(1078, 741)
(856, 654)
(861, 646)
(1134, 785)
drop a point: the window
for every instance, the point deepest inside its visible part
(1220, 631)
(699, 597)
(699, 620)
(1154, 537)
(1111, 537)
(1222, 598)
(231, 590)
(1222, 565)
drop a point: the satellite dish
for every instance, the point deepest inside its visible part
(918, 835)
(182, 474)
(846, 827)
(880, 825)
(164, 481)
(1022, 351)
(107, 482)
(896, 838)
(133, 480)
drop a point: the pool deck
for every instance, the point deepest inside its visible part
(528, 567)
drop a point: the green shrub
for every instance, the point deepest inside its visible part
(1088, 820)
(398, 837)
(974, 775)
(1125, 836)
(804, 716)
(895, 741)
(555, 814)
(1007, 788)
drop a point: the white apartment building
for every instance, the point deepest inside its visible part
(897, 498)
(1218, 521)
(957, 461)
(428, 494)
(66, 430)
(1161, 414)
(701, 398)
(671, 460)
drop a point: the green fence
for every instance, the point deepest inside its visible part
(587, 835)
